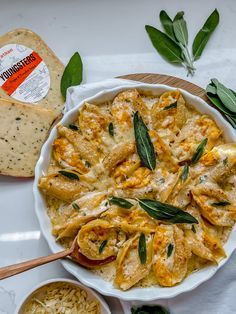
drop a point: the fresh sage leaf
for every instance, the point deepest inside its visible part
(73, 127)
(167, 24)
(144, 144)
(102, 246)
(181, 31)
(142, 250)
(218, 103)
(171, 106)
(170, 249)
(204, 34)
(73, 73)
(166, 212)
(193, 229)
(232, 120)
(111, 129)
(179, 16)
(149, 309)
(221, 203)
(166, 47)
(184, 174)
(69, 175)
(121, 202)
(75, 206)
(226, 95)
(199, 151)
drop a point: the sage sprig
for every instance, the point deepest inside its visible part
(223, 98)
(142, 251)
(73, 73)
(166, 212)
(144, 144)
(172, 44)
(121, 202)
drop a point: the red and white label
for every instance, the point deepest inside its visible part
(23, 73)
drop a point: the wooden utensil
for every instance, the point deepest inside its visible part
(73, 253)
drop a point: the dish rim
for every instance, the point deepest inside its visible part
(137, 293)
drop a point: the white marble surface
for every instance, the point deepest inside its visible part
(111, 39)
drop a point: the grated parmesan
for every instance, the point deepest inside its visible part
(63, 298)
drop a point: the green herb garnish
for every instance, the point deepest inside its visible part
(149, 309)
(111, 129)
(102, 246)
(144, 144)
(69, 175)
(221, 203)
(121, 202)
(142, 251)
(75, 206)
(170, 249)
(193, 229)
(166, 212)
(73, 73)
(199, 151)
(87, 164)
(185, 173)
(73, 127)
(171, 106)
(173, 44)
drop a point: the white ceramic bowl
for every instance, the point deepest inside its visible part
(93, 295)
(86, 276)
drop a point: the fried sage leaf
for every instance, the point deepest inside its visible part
(121, 202)
(167, 24)
(171, 106)
(166, 212)
(111, 129)
(142, 250)
(204, 34)
(73, 127)
(221, 203)
(166, 47)
(199, 151)
(144, 144)
(180, 30)
(75, 206)
(73, 73)
(102, 246)
(170, 249)
(184, 174)
(68, 174)
(149, 309)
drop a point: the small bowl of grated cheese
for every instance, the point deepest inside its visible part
(62, 296)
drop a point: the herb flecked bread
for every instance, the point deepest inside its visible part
(53, 100)
(23, 130)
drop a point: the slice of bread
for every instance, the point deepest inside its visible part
(53, 100)
(23, 130)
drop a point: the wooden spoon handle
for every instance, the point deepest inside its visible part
(15, 269)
